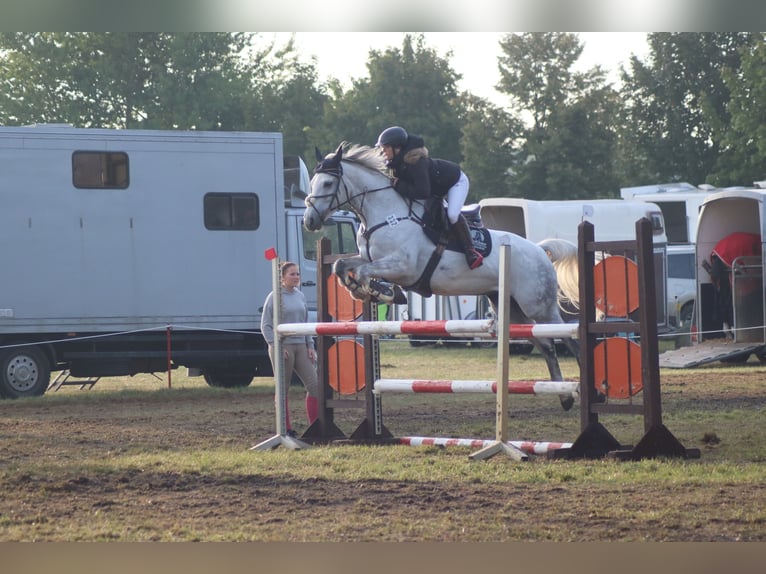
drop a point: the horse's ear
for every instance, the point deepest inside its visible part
(338, 153)
(318, 154)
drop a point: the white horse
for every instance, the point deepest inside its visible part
(393, 247)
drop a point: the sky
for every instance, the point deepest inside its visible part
(343, 55)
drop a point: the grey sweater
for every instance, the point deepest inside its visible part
(294, 310)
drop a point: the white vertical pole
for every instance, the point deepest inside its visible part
(280, 387)
(279, 360)
(501, 444)
(503, 321)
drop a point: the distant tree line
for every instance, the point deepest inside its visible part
(694, 110)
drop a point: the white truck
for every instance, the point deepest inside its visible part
(612, 219)
(130, 251)
(680, 203)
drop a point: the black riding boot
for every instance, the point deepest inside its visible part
(463, 234)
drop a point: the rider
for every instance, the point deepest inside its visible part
(417, 176)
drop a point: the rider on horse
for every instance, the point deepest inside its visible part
(417, 176)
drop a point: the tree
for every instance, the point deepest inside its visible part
(742, 158)
(676, 106)
(487, 145)
(129, 80)
(411, 86)
(567, 146)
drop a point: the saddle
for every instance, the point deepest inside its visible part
(436, 226)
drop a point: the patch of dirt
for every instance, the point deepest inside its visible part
(152, 504)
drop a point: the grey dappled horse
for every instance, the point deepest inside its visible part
(393, 247)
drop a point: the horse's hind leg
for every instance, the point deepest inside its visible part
(547, 349)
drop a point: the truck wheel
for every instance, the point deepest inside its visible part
(24, 372)
(227, 379)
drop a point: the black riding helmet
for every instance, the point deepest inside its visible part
(393, 136)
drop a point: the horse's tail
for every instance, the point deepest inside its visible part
(563, 255)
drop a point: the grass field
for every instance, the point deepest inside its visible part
(134, 460)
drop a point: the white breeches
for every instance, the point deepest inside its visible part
(456, 197)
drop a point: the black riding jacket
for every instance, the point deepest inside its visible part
(420, 177)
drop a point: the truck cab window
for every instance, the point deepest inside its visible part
(231, 211)
(100, 170)
(341, 234)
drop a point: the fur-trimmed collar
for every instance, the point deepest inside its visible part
(413, 155)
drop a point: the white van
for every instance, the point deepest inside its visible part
(612, 219)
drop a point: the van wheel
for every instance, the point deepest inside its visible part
(686, 316)
(24, 372)
(227, 379)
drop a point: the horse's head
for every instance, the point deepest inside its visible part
(325, 184)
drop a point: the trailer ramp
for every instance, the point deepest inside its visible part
(708, 352)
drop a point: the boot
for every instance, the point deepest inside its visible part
(463, 234)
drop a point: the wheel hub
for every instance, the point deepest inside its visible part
(22, 372)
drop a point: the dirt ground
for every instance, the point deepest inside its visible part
(52, 500)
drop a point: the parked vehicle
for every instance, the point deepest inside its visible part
(724, 213)
(680, 204)
(612, 219)
(682, 286)
(130, 251)
(538, 220)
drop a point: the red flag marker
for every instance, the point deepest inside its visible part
(270, 253)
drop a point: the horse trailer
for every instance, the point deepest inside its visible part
(730, 317)
(131, 251)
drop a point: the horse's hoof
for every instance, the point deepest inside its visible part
(566, 401)
(381, 291)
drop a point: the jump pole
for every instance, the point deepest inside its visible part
(480, 328)
(386, 386)
(501, 444)
(529, 447)
(280, 386)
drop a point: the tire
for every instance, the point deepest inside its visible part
(685, 317)
(227, 379)
(24, 372)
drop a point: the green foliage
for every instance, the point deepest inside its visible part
(676, 106)
(568, 146)
(693, 111)
(489, 135)
(742, 157)
(411, 86)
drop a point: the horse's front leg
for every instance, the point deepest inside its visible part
(369, 279)
(345, 270)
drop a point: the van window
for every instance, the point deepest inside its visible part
(100, 170)
(681, 265)
(340, 233)
(227, 211)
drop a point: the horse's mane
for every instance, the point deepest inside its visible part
(365, 156)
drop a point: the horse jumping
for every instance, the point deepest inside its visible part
(394, 247)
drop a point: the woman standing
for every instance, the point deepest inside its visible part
(299, 353)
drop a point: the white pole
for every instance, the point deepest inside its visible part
(501, 444)
(280, 387)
